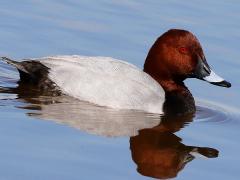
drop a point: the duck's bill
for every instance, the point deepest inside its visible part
(204, 152)
(213, 78)
(204, 72)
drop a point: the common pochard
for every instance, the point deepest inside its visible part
(159, 88)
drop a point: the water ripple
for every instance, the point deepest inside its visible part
(212, 112)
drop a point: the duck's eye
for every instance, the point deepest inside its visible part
(183, 50)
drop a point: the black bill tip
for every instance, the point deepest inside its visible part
(222, 83)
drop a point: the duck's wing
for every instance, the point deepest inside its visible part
(105, 81)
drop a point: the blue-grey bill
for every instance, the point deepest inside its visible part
(213, 78)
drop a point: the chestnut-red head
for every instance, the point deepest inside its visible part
(177, 55)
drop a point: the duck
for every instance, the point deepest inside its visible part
(104, 81)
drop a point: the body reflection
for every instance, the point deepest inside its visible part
(160, 154)
(156, 150)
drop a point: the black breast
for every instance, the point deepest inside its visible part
(179, 103)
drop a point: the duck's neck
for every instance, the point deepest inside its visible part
(178, 99)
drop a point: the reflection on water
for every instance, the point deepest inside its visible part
(90, 118)
(155, 149)
(159, 153)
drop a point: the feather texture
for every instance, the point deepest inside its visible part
(106, 82)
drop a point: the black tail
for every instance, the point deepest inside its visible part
(30, 71)
(16, 64)
(34, 73)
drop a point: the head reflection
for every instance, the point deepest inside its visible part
(160, 154)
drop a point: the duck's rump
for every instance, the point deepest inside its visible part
(100, 80)
(34, 77)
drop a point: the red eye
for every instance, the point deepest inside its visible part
(183, 50)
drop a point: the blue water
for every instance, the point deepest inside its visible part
(37, 144)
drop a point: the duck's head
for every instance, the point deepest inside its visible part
(177, 55)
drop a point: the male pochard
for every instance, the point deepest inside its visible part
(159, 88)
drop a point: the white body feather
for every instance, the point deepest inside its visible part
(106, 82)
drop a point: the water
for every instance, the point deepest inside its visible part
(60, 138)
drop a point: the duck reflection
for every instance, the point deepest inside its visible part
(159, 153)
(81, 115)
(156, 150)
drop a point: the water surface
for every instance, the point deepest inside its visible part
(60, 138)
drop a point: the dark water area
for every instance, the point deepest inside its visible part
(44, 137)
